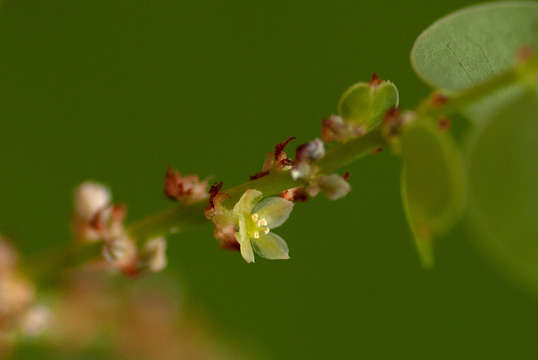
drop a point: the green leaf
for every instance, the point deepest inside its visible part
(474, 44)
(433, 184)
(503, 187)
(365, 104)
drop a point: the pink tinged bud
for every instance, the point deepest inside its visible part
(154, 254)
(90, 198)
(335, 128)
(312, 150)
(331, 128)
(301, 170)
(226, 237)
(188, 189)
(334, 186)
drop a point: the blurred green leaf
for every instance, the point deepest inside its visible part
(474, 44)
(366, 104)
(433, 184)
(503, 186)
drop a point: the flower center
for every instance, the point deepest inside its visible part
(257, 226)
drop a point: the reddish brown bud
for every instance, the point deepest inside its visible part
(188, 189)
(391, 114)
(439, 100)
(392, 121)
(444, 124)
(375, 80)
(279, 148)
(346, 175)
(226, 237)
(297, 194)
(213, 191)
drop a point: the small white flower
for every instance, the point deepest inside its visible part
(255, 219)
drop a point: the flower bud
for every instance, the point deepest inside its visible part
(90, 198)
(120, 251)
(154, 254)
(334, 186)
(312, 150)
(186, 189)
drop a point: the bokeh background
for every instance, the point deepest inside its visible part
(116, 91)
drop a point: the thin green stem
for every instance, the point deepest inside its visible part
(172, 220)
(526, 71)
(339, 155)
(182, 217)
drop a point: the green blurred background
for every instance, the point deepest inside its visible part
(118, 90)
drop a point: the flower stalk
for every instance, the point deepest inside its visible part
(437, 107)
(186, 214)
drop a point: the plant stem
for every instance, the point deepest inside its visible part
(172, 220)
(520, 74)
(182, 217)
(338, 156)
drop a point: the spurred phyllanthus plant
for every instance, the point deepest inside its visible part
(480, 61)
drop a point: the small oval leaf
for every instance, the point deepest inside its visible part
(365, 104)
(472, 45)
(503, 188)
(433, 184)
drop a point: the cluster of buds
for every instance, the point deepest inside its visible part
(96, 219)
(305, 169)
(188, 189)
(334, 128)
(247, 225)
